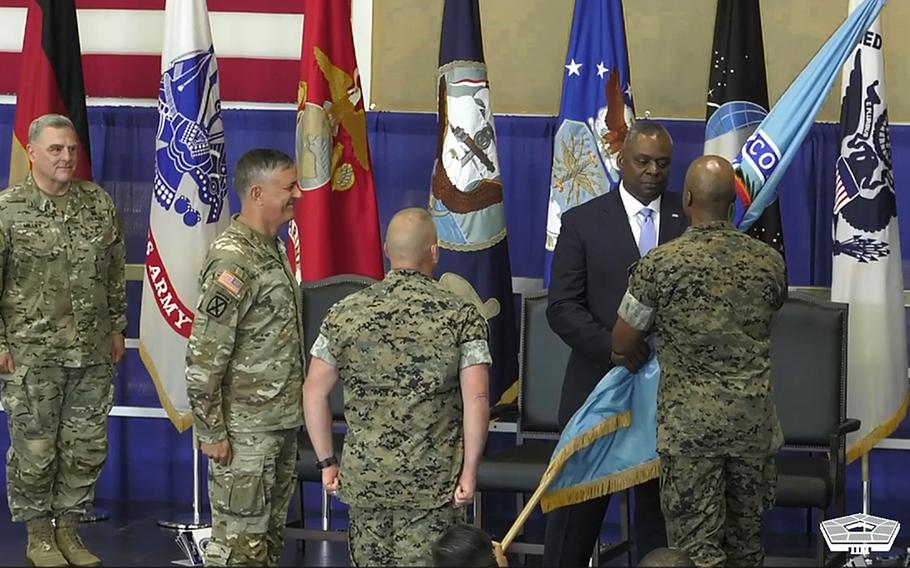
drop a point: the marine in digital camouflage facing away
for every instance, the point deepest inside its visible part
(708, 297)
(245, 367)
(62, 318)
(413, 359)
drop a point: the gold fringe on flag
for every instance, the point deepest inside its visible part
(862, 446)
(619, 481)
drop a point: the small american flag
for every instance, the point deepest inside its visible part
(230, 282)
(845, 191)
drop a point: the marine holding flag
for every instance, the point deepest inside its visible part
(466, 201)
(717, 426)
(866, 269)
(188, 207)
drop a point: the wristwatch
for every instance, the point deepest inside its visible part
(329, 461)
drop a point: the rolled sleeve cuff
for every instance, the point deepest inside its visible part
(475, 352)
(206, 436)
(636, 314)
(321, 350)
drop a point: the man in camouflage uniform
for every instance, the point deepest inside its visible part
(414, 363)
(709, 297)
(245, 367)
(63, 311)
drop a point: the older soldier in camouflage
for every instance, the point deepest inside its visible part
(245, 367)
(709, 297)
(414, 361)
(63, 312)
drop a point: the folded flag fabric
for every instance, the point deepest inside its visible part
(610, 443)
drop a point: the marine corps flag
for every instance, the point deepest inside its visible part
(189, 209)
(466, 196)
(336, 224)
(738, 96)
(51, 81)
(866, 268)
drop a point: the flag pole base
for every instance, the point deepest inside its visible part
(185, 522)
(94, 516)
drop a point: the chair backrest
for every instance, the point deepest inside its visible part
(542, 368)
(316, 299)
(809, 368)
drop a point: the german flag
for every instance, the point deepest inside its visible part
(51, 80)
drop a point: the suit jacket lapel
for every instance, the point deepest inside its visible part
(616, 217)
(672, 222)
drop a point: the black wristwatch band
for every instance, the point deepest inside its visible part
(329, 461)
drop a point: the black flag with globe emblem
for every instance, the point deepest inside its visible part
(738, 96)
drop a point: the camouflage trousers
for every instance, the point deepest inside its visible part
(713, 506)
(58, 437)
(397, 537)
(249, 499)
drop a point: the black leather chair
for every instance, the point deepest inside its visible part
(316, 299)
(809, 369)
(518, 469)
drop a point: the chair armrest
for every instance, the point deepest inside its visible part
(504, 411)
(848, 425)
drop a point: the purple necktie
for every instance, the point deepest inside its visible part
(648, 237)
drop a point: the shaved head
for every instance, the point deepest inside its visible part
(710, 188)
(410, 240)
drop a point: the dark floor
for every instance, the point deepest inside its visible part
(131, 537)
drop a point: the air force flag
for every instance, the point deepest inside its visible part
(188, 203)
(866, 269)
(594, 116)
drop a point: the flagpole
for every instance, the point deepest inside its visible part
(181, 522)
(867, 485)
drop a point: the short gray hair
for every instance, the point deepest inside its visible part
(646, 127)
(48, 121)
(253, 165)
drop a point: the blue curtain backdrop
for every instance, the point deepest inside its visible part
(149, 462)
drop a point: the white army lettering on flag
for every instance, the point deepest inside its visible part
(188, 209)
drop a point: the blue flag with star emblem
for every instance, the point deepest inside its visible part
(466, 199)
(594, 116)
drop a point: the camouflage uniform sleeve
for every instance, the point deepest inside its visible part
(224, 298)
(474, 344)
(324, 347)
(780, 279)
(116, 274)
(4, 252)
(640, 300)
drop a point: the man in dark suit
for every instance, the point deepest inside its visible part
(598, 243)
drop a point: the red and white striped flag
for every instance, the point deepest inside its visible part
(121, 44)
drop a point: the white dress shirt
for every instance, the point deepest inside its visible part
(633, 206)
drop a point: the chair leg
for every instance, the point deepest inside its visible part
(478, 510)
(820, 540)
(595, 554)
(301, 543)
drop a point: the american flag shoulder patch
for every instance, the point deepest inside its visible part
(229, 281)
